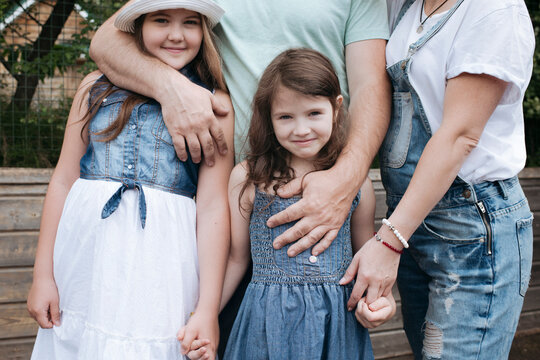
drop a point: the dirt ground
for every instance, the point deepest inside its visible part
(526, 347)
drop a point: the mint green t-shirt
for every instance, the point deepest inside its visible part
(253, 32)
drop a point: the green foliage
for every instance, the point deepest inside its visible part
(33, 138)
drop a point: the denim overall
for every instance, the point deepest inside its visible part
(294, 308)
(463, 279)
(142, 154)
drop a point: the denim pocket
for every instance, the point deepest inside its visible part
(459, 225)
(524, 239)
(160, 132)
(395, 146)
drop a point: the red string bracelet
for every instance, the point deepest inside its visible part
(379, 239)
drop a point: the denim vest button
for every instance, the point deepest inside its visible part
(130, 166)
(313, 259)
(466, 193)
(105, 100)
(133, 126)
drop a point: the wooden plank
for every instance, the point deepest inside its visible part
(529, 320)
(18, 248)
(25, 176)
(390, 344)
(17, 349)
(23, 190)
(15, 321)
(15, 284)
(532, 300)
(20, 213)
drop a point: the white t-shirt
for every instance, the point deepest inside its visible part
(493, 37)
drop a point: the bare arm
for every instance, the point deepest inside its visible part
(43, 296)
(469, 102)
(213, 229)
(188, 109)
(328, 195)
(363, 217)
(239, 255)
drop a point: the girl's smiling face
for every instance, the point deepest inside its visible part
(302, 123)
(173, 36)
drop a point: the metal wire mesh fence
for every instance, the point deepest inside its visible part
(44, 56)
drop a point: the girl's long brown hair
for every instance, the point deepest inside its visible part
(207, 64)
(307, 72)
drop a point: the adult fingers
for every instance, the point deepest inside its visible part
(306, 241)
(219, 137)
(55, 313)
(205, 139)
(357, 293)
(42, 318)
(350, 273)
(179, 143)
(218, 107)
(325, 242)
(373, 293)
(293, 212)
(293, 187)
(194, 147)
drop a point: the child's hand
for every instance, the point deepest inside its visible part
(376, 313)
(198, 350)
(43, 303)
(201, 331)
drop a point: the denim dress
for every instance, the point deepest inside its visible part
(464, 276)
(294, 308)
(125, 255)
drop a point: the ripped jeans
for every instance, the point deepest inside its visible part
(463, 279)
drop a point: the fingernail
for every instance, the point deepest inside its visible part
(342, 281)
(349, 308)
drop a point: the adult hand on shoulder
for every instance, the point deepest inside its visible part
(191, 117)
(325, 204)
(375, 268)
(43, 303)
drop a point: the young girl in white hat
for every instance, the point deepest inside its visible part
(126, 257)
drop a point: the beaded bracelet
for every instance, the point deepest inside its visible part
(379, 239)
(396, 232)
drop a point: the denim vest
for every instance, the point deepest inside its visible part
(142, 154)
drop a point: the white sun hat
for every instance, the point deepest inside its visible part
(127, 16)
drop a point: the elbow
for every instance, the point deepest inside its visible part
(467, 142)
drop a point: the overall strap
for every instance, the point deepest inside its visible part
(434, 30)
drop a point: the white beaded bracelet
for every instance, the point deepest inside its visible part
(396, 232)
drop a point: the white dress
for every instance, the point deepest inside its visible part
(124, 291)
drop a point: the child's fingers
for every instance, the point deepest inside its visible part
(189, 336)
(55, 313)
(198, 343)
(42, 318)
(379, 304)
(197, 354)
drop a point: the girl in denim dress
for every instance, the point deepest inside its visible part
(295, 308)
(128, 264)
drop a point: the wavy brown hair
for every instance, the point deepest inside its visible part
(309, 73)
(207, 64)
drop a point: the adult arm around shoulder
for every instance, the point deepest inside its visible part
(328, 195)
(188, 109)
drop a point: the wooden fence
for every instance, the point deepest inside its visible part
(21, 198)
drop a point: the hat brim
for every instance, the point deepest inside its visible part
(126, 17)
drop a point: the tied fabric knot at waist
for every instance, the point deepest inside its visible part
(114, 201)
